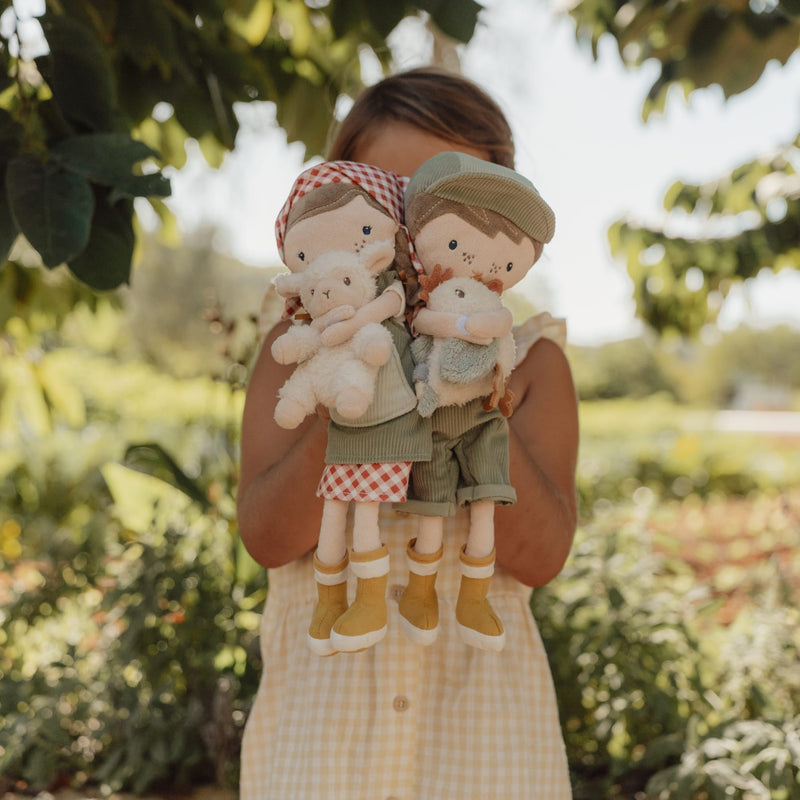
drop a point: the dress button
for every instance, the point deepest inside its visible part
(401, 703)
(396, 591)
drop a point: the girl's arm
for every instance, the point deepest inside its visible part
(278, 510)
(533, 537)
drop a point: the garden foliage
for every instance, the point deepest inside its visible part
(129, 610)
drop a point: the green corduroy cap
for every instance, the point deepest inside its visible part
(473, 181)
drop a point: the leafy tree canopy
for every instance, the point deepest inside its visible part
(119, 87)
(750, 218)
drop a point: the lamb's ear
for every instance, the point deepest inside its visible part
(287, 284)
(378, 256)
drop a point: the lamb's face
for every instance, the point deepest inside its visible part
(462, 295)
(336, 279)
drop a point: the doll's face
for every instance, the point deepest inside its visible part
(348, 229)
(454, 243)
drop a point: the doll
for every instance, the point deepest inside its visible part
(335, 212)
(470, 220)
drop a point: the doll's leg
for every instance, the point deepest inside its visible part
(478, 625)
(331, 548)
(365, 622)
(480, 542)
(330, 573)
(366, 534)
(419, 606)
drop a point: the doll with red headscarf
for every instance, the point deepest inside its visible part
(353, 209)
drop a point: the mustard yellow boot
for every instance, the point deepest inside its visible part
(331, 604)
(478, 625)
(419, 606)
(364, 623)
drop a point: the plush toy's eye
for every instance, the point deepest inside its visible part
(509, 266)
(301, 255)
(366, 230)
(312, 292)
(453, 244)
(347, 281)
(460, 293)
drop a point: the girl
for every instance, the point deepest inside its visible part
(399, 720)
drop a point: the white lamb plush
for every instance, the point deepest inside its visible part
(453, 371)
(342, 376)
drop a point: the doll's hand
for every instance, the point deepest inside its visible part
(489, 324)
(443, 324)
(332, 317)
(339, 331)
(287, 284)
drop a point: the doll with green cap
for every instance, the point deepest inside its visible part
(477, 228)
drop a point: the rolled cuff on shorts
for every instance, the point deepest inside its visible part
(501, 493)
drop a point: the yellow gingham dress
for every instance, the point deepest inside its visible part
(445, 722)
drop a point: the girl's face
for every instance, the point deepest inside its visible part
(348, 228)
(400, 148)
(455, 244)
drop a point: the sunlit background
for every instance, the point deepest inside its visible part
(580, 138)
(129, 609)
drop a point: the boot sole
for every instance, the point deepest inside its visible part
(419, 635)
(353, 644)
(321, 647)
(481, 640)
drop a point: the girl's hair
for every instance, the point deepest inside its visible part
(442, 103)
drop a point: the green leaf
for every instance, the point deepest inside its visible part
(147, 36)
(8, 229)
(52, 208)
(10, 136)
(457, 20)
(78, 73)
(156, 461)
(141, 501)
(105, 262)
(5, 65)
(385, 16)
(304, 115)
(107, 159)
(250, 19)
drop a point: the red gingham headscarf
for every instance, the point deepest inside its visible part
(385, 187)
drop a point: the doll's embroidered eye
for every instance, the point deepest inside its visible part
(301, 255)
(347, 281)
(509, 266)
(366, 230)
(453, 244)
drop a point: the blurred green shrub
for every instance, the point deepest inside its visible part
(128, 609)
(657, 446)
(655, 697)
